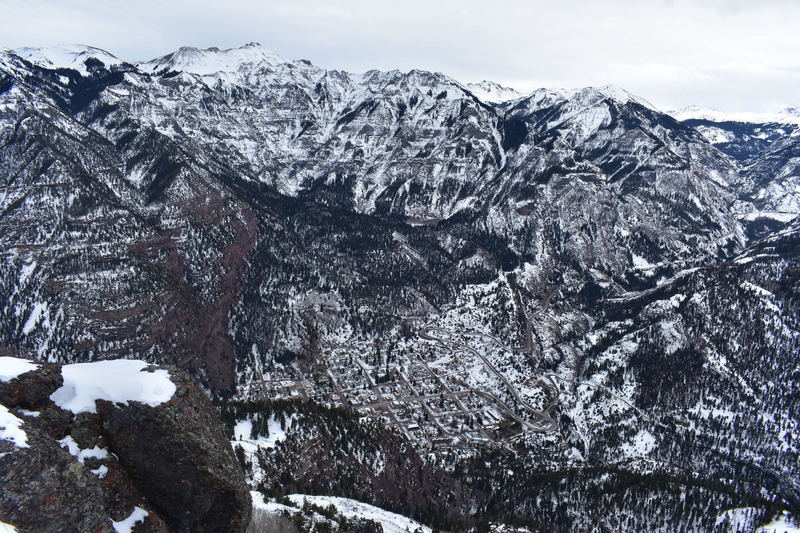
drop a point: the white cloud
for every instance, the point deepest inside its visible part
(732, 54)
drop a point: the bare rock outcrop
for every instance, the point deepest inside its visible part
(161, 468)
(193, 478)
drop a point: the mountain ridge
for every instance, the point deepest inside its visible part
(789, 115)
(496, 284)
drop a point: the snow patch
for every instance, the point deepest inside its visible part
(100, 472)
(642, 444)
(126, 526)
(39, 309)
(119, 381)
(11, 367)
(391, 522)
(26, 272)
(739, 519)
(640, 262)
(243, 429)
(670, 332)
(715, 135)
(10, 429)
(82, 454)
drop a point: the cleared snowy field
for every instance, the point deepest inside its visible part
(391, 522)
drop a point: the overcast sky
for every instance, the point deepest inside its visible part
(736, 55)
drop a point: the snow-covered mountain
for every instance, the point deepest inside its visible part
(790, 115)
(499, 281)
(74, 57)
(213, 61)
(492, 92)
(766, 150)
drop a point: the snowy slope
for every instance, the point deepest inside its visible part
(781, 524)
(391, 522)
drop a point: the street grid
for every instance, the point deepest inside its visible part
(428, 394)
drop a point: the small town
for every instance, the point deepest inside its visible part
(441, 394)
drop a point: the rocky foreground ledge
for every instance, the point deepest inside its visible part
(114, 446)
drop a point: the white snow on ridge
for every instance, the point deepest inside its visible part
(213, 60)
(10, 429)
(494, 93)
(547, 96)
(756, 289)
(391, 522)
(11, 367)
(269, 506)
(621, 95)
(72, 56)
(790, 115)
(119, 381)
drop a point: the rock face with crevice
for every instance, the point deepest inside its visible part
(83, 472)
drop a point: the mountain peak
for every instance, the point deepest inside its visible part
(210, 61)
(611, 92)
(72, 56)
(621, 95)
(493, 92)
(586, 96)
